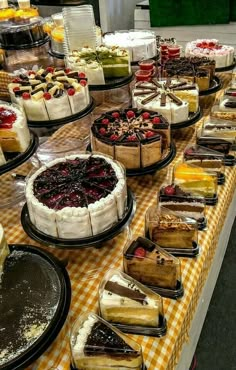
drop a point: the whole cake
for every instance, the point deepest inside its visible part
(50, 94)
(77, 196)
(223, 55)
(123, 300)
(149, 264)
(14, 132)
(173, 98)
(136, 138)
(96, 344)
(185, 203)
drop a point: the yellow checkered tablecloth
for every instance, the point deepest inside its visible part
(86, 268)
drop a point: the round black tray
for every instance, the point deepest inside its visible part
(144, 367)
(216, 85)
(229, 160)
(26, 46)
(93, 241)
(228, 68)
(176, 293)
(62, 121)
(14, 160)
(112, 83)
(184, 252)
(192, 119)
(52, 330)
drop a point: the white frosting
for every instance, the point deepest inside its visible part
(83, 334)
(73, 223)
(58, 107)
(79, 101)
(35, 110)
(103, 214)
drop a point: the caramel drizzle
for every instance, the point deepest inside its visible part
(150, 98)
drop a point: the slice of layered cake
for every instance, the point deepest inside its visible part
(200, 156)
(123, 300)
(151, 265)
(4, 250)
(97, 344)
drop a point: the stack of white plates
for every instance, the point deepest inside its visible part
(80, 28)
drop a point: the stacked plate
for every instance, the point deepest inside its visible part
(80, 27)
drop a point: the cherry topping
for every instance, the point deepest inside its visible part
(140, 252)
(71, 91)
(132, 138)
(31, 73)
(83, 82)
(169, 190)
(47, 96)
(102, 131)
(16, 89)
(189, 151)
(26, 96)
(149, 134)
(130, 114)
(105, 121)
(50, 69)
(156, 120)
(146, 115)
(81, 75)
(7, 117)
(114, 137)
(116, 115)
(67, 70)
(16, 80)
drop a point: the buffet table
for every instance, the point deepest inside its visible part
(86, 267)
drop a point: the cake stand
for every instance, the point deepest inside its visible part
(29, 301)
(16, 159)
(228, 68)
(93, 241)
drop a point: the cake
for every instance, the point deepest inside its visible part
(196, 180)
(186, 204)
(136, 138)
(50, 94)
(151, 265)
(228, 101)
(95, 344)
(214, 142)
(2, 157)
(220, 129)
(200, 156)
(4, 250)
(123, 300)
(223, 55)
(141, 44)
(77, 196)
(14, 132)
(174, 99)
(170, 230)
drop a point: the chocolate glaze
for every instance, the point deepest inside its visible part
(130, 293)
(179, 196)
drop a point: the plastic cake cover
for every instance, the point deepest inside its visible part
(199, 155)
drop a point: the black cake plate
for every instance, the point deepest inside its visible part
(176, 293)
(228, 68)
(212, 201)
(192, 119)
(215, 86)
(112, 83)
(144, 367)
(229, 160)
(202, 223)
(93, 241)
(220, 178)
(35, 294)
(16, 159)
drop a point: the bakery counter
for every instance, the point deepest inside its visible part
(87, 267)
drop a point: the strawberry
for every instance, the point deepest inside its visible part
(31, 73)
(132, 138)
(50, 69)
(114, 137)
(149, 134)
(140, 252)
(26, 96)
(169, 190)
(81, 75)
(16, 89)
(146, 115)
(102, 131)
(83, 82)
(130, 114)
(67, 70)
(156, 120)
(116, 115)
(47, 96)
(105, 121)
(71, 91)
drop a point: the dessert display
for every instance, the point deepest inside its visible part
(223, 55)
(151, 265)
(211, 140)
(77, 196)
(141, 44)
(4, 250)
(100, 63)
(220, 128)
(57, 34)
(95, 344)
(167, 48)
(186, 204)
(123, 300)
(198, 70)
(171, 230)
(195, 180)
(146, 70)
(14, 132)
(175, 99)
(50, 94)
(208, 159)
(136, 138)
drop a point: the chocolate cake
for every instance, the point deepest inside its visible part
(206, 158)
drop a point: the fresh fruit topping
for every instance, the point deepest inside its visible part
(140, 252)
(7, 118)
(156, 120)
(130, 114)
(169, 190)
(146, 115)
(105, 121)
(132, 138)
(81, 75)
(26, 96)
(114, 137)
(16, 89)
(16, 80)
(31, 73)
(149, 134)
(47, 96)
(189, 151)
(71, 91)
(102, 131)
(116, 115)
(67, 70)
(83, 82)
(50, 69)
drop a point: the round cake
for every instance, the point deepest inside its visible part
(76, 197)
(211, 48)
(136, 138)
(51, 93)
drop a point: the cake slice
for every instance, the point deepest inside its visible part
(2, 157)
(208, 159)
(151, 265)
(4, 250)
(123, 300)
(96, 344)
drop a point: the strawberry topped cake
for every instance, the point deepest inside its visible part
(212, 49)
(50, 94)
